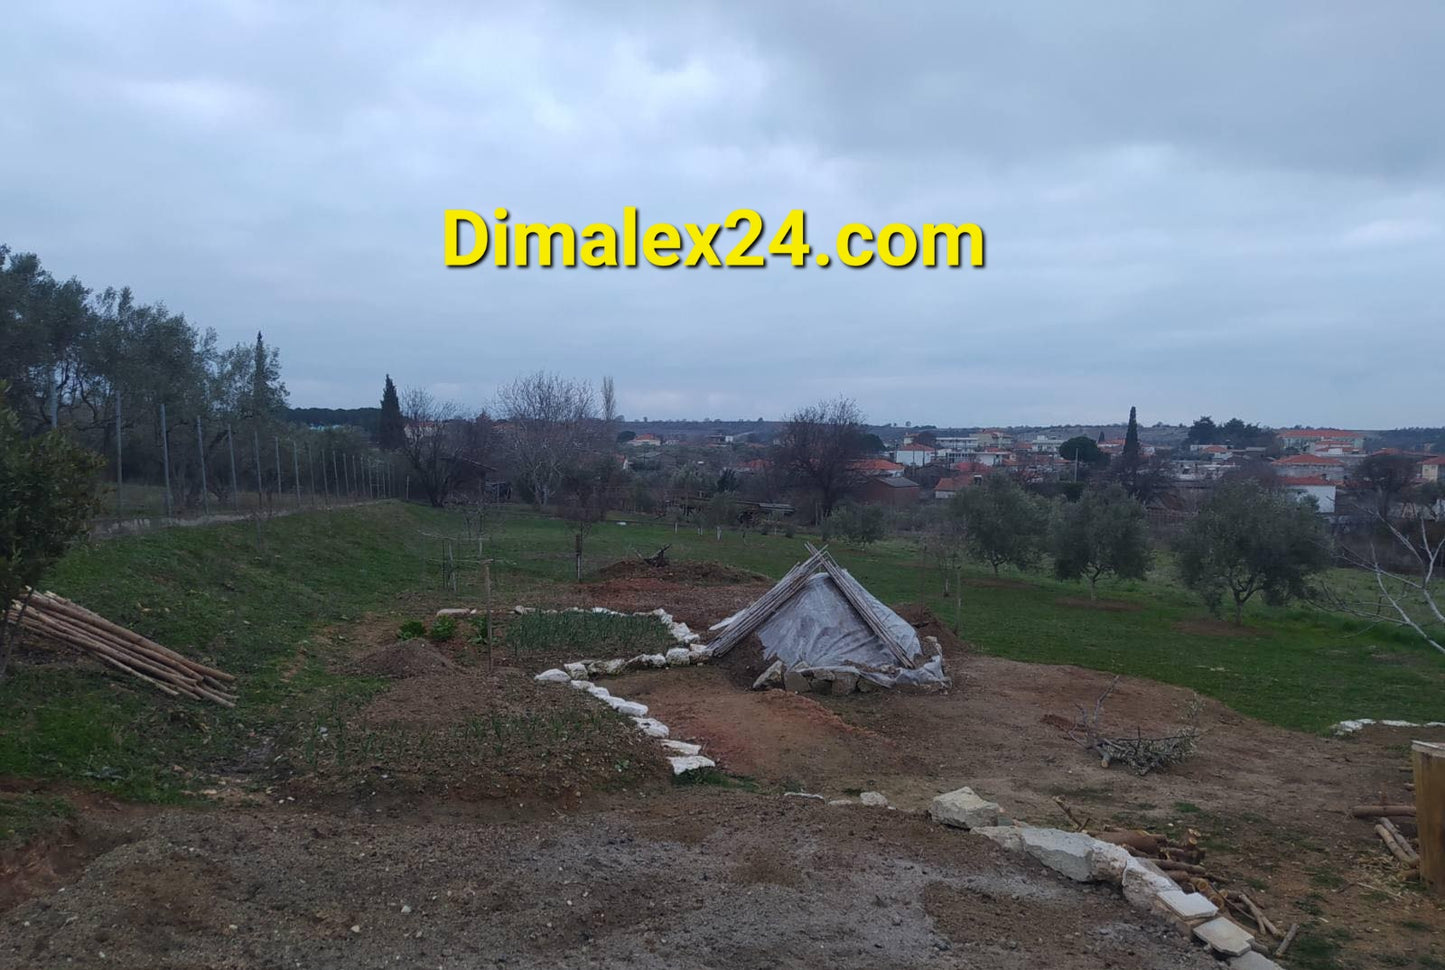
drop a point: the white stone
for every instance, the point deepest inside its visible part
(683, 765)
(1143, 882)
(874, 799)
(1004, 836)
(1188, 906)
(1109, 862)
(612, 668)
(1224, 936)
(1070, 854)
(700, 654)
(630, 708)
(681, 747)
(576, 671)
(963, 809)
(841, 802)
(455, 611)
(581, 685)
(679, 657)
(553, 676)
(523, 610)
(1253, 961)
(601, 693)
(654, 660)
(651, 727)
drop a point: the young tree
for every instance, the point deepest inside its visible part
(445, 450)
(551, 425)
(1248, 539)
(1103, 533)
(391, 432)
(1004, 523)
(818, 446)
(47, 499)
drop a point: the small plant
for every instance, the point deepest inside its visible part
(411, 629)
(442, 629)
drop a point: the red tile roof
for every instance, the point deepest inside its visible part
(875, 465)
(1292, 482)
(1321, 460)
(916, 447)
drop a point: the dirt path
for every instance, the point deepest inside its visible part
(696, 878)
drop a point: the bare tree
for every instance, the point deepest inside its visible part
(1406, 573)
(819, 446)
(443, 448)
(609, 402)
(551, 423)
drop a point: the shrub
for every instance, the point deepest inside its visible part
(443, 628)
(411, 629)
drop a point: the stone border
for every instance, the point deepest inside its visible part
(1345, 728)
(683, 756)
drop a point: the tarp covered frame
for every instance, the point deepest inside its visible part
(817, 628)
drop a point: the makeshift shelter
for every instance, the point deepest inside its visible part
(819, 624)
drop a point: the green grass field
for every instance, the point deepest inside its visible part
(218, 594)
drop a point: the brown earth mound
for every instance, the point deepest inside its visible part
(411, 658)
(700, 573)
(929, 625)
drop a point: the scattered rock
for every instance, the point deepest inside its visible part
(1143, 882)
(1253, 961)
(679, 657)
(630, 708)
(1004, 836)
(964, 809)
(581, 685)
(1070, 854)
(553, 676)
(794, 681)
(684, 748)
(576, 671)
(844, 682)
(874, 799)
(772, 677)
(456, 611)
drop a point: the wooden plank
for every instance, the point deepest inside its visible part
(1429, 761)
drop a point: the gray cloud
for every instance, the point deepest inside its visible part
(1227, 209)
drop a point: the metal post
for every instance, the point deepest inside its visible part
(119, 477)
(235, 489)
(201, 447)
(166, 458)
(296, 472)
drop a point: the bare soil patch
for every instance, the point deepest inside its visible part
(683, 572)
(410, 658)
(758, 882)
(1271, 804)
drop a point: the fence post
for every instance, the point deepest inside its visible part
(201, 448)
(311, 470)
(166, 458)
(235, 489)
(119, 458)
(296, 472)
(276, 440)
(260, 494)
(346, 475)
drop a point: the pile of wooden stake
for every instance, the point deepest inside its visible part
(60, 621)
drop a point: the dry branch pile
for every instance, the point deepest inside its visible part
(1140, 753)
(59, 620)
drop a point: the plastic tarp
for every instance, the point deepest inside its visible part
(818, 628)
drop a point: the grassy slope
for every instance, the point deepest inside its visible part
(212, 593)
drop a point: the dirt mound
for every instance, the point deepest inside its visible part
(411, 658)
(929, 625)
(700, 573)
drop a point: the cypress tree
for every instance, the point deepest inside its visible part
(391, 431)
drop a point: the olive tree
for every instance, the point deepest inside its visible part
(1103, 533)
(1250, 539)
(47, 499)
(1003, 524)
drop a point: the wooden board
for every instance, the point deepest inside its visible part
(1429, 761)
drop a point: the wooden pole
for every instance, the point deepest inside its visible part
(201, 449)
(1430, 811)
(166, 458)
(235, 489)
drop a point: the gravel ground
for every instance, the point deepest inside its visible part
(691, 877)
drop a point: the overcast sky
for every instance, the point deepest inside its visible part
(1237, 208)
